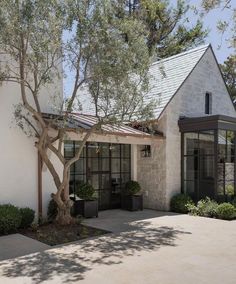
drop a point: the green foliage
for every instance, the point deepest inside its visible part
(132, 188)
(10, 219)
(228, 69)
(168, 33)
(27, 215)
(233, 202)
(226, 211)
(179, 203)
(85, 191)
(52, 210)
(205, 207)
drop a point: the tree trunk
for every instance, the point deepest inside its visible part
(63, 211)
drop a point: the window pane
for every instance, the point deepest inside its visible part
(125, 165)
(93, 150)
(190, 167)
(77, 145)
(190, 188)
(105, 164)
(115, 165)
(124, 179)
(220, 188)
(190, 143)
(94, 181)
(115, 150)
(80, 166)
(229, 188)
(104, 149)
(68, 149)
(105, 181)
(222, 144)
(207, 167)
(125, 151)
(230, 146)
(92, 164)
(229, 171)
(206, 143)
(115, 183)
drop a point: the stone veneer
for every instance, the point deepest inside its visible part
(160, 175)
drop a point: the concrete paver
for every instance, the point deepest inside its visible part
(15, 245)
(147, 247)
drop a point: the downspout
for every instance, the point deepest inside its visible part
(40, 165)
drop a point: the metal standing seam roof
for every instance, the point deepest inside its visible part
(167, 75)
(87, 121)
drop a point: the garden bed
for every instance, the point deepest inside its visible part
(53, 234)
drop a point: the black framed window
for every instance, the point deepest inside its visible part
(208, 103)
(106, 166)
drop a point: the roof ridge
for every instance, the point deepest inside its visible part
(205, 46)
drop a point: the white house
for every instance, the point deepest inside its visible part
(192, 150)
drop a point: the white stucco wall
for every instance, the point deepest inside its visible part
(190, 101)
(18, 163)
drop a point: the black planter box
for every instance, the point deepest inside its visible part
(132, 202)
(86, 208)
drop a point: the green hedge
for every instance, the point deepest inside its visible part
(10, 219)
(179, 203)
(27, 215)
(226, 211)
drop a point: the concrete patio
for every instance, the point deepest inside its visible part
(146, 247)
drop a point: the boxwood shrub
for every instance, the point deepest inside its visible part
(226, 211)
(27, 217)
(132, 187)
(10, 219)
(179, 203)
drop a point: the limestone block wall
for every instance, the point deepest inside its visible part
(151, 173)
(190, 101)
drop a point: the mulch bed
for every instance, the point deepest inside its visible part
(53, 234)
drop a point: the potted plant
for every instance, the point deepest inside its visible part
(132, 199)
(85, 205)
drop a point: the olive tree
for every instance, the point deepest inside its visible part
(105, 54)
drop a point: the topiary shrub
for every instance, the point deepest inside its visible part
(27, 217)
(10, 219)
(85, 191)
(226, 211)
(132, 187)
(179, 203)
(233, 202)
(52, 210)
(205, 207)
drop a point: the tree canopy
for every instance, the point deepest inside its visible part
(228, 69)
(168, 26)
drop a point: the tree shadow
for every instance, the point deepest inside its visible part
(71, 262)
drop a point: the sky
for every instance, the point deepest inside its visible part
(219, 43)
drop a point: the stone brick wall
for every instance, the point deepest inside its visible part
(160, 175)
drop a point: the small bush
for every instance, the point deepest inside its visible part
(205, 207)
(179, 203)
(85, 191)
(10, 218)
(132, 187)
(226, 211)
(27, 217)
(52, 210)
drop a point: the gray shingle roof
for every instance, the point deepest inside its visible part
(167, 75)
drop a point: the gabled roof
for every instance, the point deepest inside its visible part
(169, 74)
